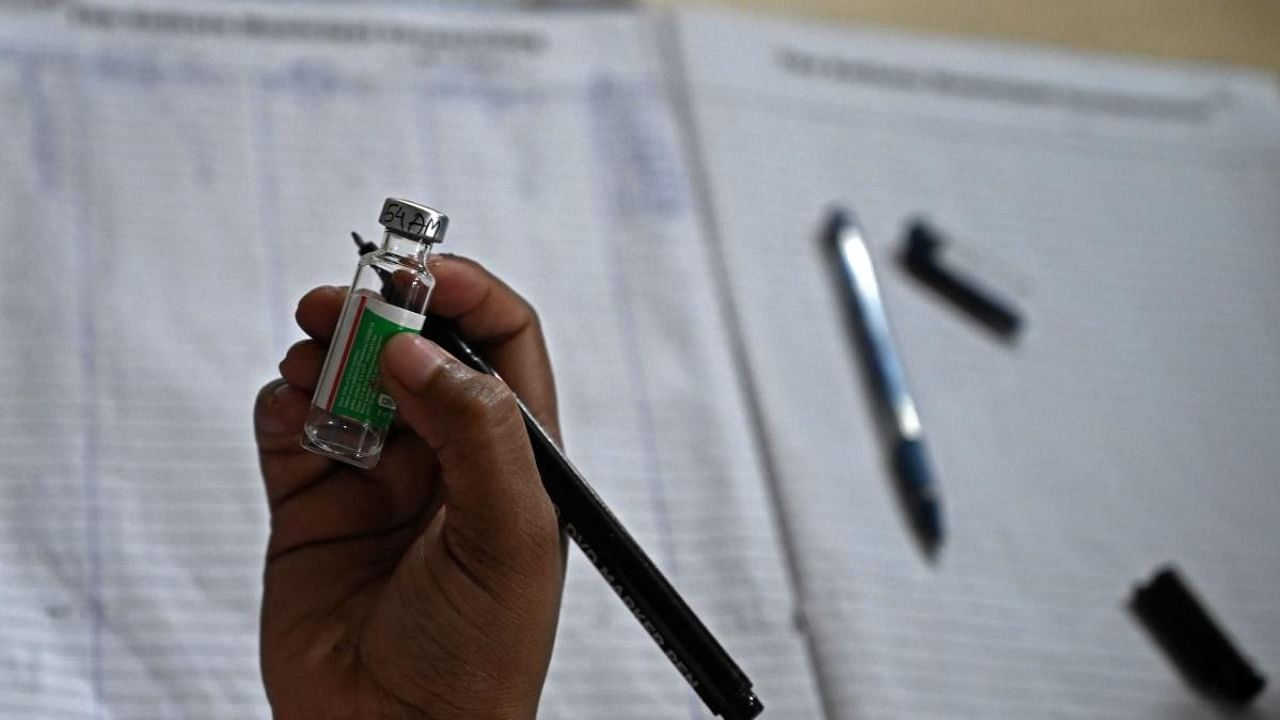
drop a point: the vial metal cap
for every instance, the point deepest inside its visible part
(412, 220)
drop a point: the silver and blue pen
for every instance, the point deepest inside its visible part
(903, 433)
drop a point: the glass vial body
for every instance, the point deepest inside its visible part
(350, 414)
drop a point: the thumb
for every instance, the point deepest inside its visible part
(495, 504)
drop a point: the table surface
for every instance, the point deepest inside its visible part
(1239, 32)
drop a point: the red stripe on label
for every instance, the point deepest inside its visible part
(346, 353)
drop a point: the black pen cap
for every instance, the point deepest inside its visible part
(1193, 641)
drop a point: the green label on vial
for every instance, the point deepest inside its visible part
(358, 393)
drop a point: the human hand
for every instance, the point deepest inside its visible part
(429, 586)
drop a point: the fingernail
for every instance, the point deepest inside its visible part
(411, 359)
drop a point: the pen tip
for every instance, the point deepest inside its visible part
(929, 531)
(918, 493)
(752, 706)
(839, 219)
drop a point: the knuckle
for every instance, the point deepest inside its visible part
(484, 398)
(525, 309)
(265, 394)
(316, 294)
(303, 301)
(532, 318)
(523, 315)
(295, 351)
(301, 364)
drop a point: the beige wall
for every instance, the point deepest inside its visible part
(1243, 32)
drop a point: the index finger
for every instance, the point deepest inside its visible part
(502, 326)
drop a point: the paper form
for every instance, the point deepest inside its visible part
(169, 196)
(1134, 422)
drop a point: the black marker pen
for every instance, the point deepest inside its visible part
(682, 637)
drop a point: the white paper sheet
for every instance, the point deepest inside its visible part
(1134, 422)
(168, 195)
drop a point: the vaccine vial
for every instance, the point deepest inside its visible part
(350, 414)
